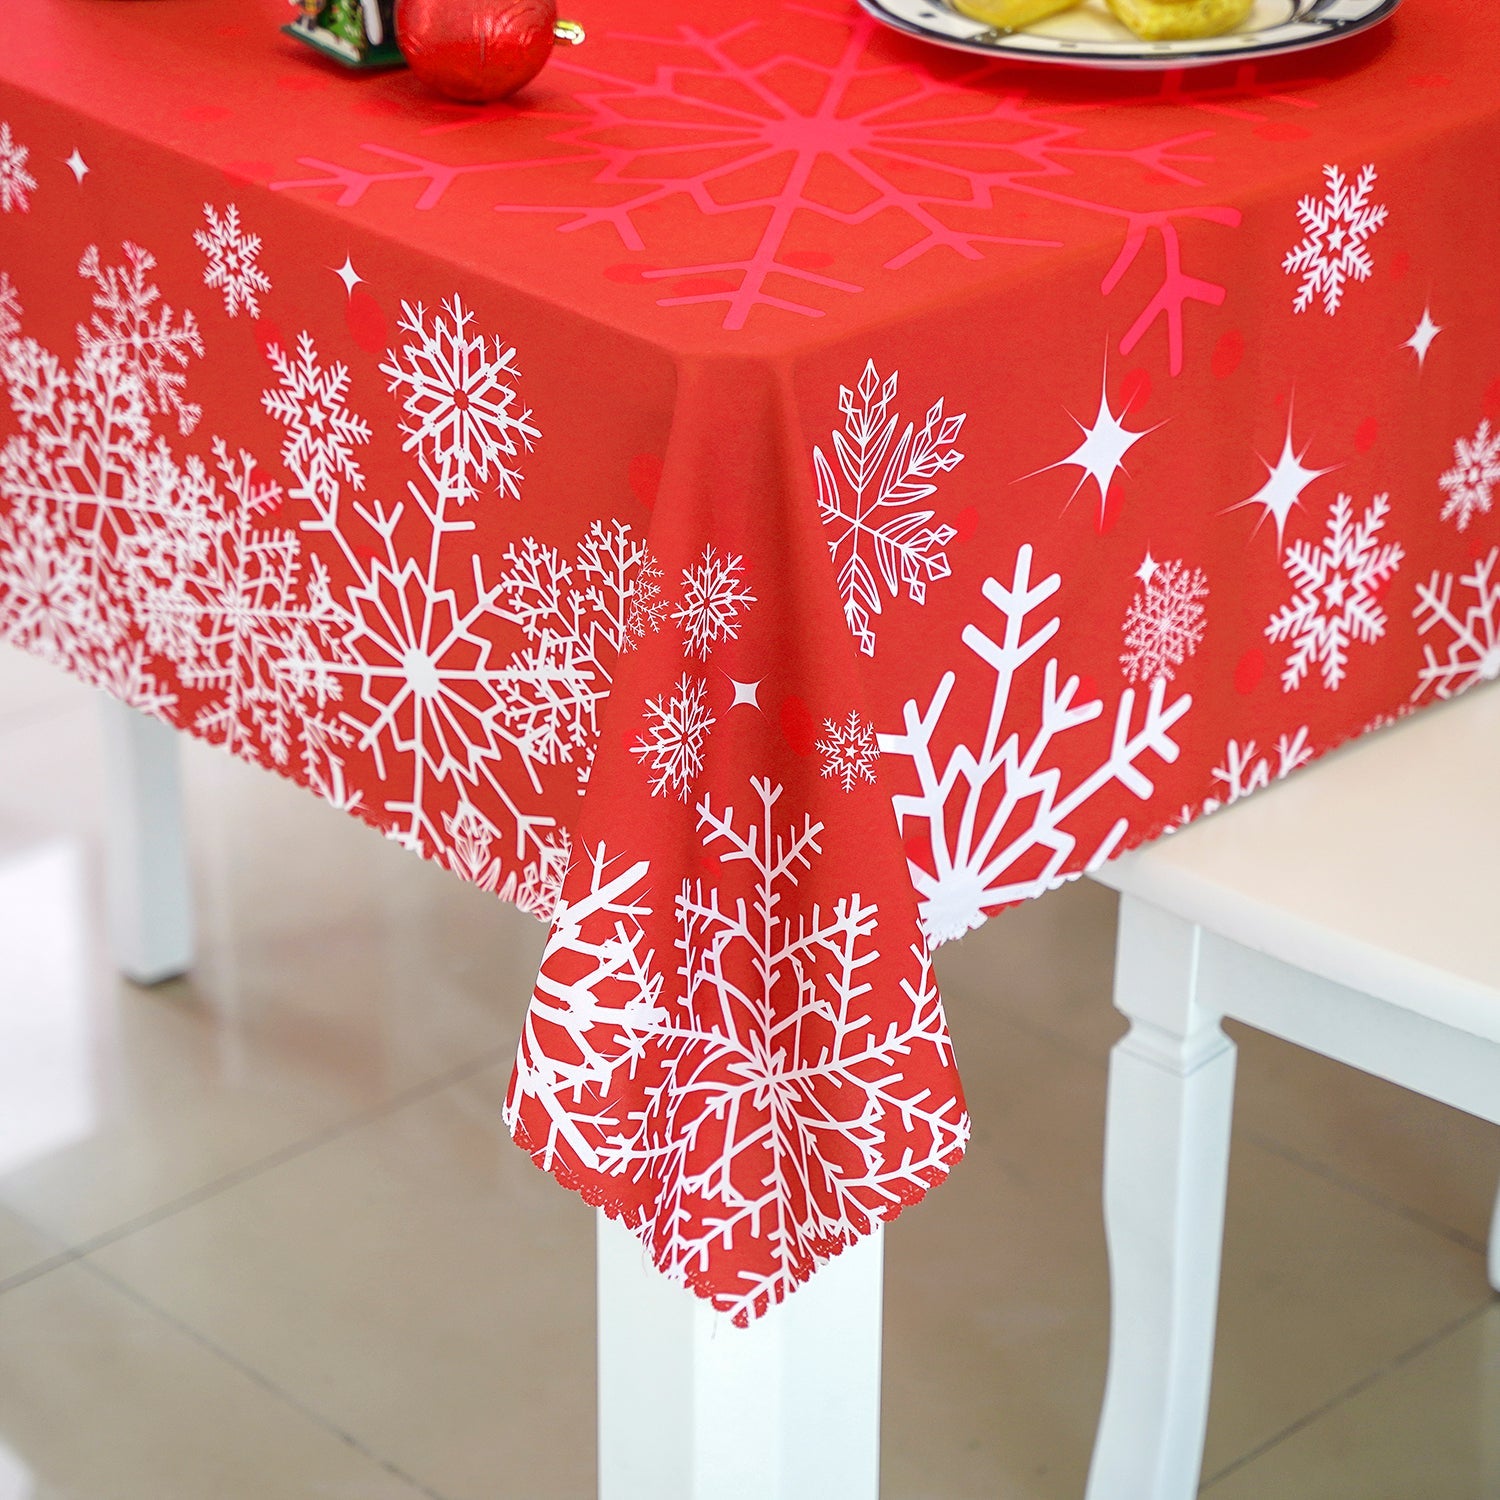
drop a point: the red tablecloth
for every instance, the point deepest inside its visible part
(629, 496)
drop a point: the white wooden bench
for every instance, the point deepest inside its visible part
(1353, 910)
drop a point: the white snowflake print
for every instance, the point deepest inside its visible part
(53, 606)
(1337, 592)
(417, 653)
(428, 701)
(471, 842)
(714, 597)
(1472, 628)
(1164, 624)
(994, 817)
(578, 615)
(229, 605)
(422, 693)
(84, 453)
(10, 311)
(148, 340)
(1470, 483)
(114, 554)
(16, 183)
(458, 393)
(1334, 248)
(713, 600)
(672, 747)
(647, 606)
(1245, 769)
(46, 600)
(91, 492)
(772, 1067)
(311, 403)
(425, 692)
(117, 556)
(232, 266)
(602, 929)
(869, 494)
(323, 745)
(538, 887)
(849, 750)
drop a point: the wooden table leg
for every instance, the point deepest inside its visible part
(149, 901)
(693, 1408)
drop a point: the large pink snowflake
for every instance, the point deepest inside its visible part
(763, 132)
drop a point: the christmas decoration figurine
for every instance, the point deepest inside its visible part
(361, 33)
(479, 50)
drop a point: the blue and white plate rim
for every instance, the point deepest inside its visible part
(1309, 23)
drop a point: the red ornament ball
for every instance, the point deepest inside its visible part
(476, 50)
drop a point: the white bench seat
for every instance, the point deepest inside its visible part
(1352, 910)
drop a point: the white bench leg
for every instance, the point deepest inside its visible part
(149, 902)
(1171, 1094)
(692, 1408)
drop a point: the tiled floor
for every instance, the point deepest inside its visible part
(262, 1235)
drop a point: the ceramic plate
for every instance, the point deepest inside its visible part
(1089, 36)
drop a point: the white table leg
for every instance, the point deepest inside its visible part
(1487, 1416)
(1171, 1091)
(1495, 1246)
(693, 1408)
(149, 902)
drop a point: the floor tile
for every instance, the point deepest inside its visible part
(402, 1275)
(54, 770)
(1319, 1289)
(337, 972)
(1426, 1430)
(1048, 964)
(100, 1400)
(30, 688)
(1402, 1147)
(997, 1300)
(418, 1282)
(22, 1249)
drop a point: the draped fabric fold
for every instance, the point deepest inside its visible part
(764, 500)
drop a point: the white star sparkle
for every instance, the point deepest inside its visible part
(1421, 340)
(77, 165)
(746, 692)
(1147, 570)
(1103, 446)
(348, 275)
(1285, 481)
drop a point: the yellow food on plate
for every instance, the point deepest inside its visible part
(1177, 20)
(1012, 15)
